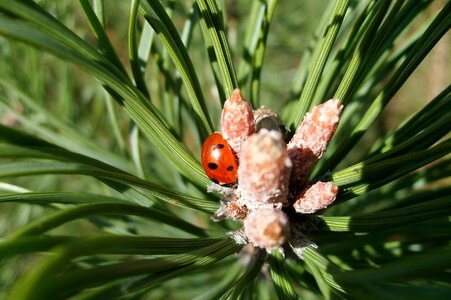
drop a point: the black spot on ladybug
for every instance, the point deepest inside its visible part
(230, 168)
(219, 146)
(215, 181)
(212, 166)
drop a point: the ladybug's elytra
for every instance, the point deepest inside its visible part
(218, 160)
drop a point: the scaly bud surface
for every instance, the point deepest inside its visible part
(264, 170)
(237, 120)
(267, 227)
(311, 139)
(315, 197)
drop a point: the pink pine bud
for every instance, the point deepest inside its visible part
(315, 197)
(237, 120)
(264, 170)
(267, 227)
(311, 138)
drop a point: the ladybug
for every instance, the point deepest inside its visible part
(219, 161)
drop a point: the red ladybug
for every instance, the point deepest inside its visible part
(218, 160)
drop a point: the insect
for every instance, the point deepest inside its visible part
(218, 160)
